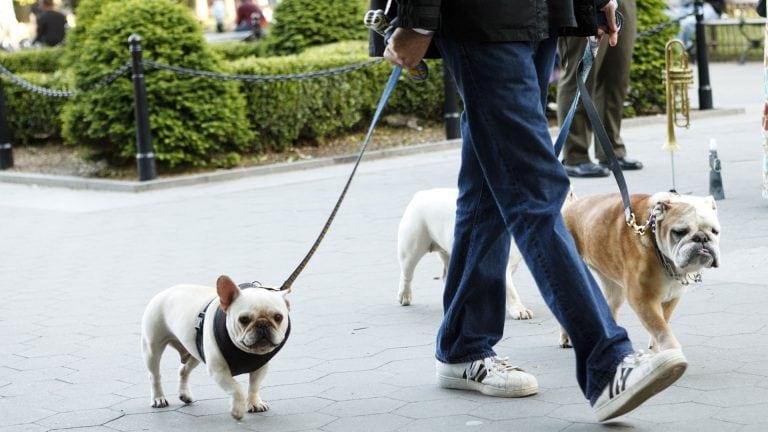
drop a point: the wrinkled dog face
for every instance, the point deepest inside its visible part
(688, 230)
(257, 320)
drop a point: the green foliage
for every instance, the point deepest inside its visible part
(86, 11)
(285, 112)
(194, 121)
(233, 50)
(33, 117)
(32, 60)
(304, 23)
(647, 94)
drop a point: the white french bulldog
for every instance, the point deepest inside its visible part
(241, 330)
(427, 226)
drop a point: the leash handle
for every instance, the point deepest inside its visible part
(393, 77)
(377, 21)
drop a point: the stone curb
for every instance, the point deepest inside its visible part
(83, 183)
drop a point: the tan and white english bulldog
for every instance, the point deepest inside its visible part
(427, 226)
(650, 271)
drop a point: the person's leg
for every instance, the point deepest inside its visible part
(612, 71)
(510, 139)
(474, 295)
(576, 148)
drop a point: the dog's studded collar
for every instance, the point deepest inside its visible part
(239, 361)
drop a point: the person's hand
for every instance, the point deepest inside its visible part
(406, 48)
(765, 116)
(613, 30)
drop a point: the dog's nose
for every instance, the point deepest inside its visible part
(700, 237)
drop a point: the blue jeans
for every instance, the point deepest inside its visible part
(512, 184)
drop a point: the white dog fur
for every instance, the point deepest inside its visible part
(427, 226)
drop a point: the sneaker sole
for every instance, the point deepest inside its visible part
(463, 384)
(668, 372)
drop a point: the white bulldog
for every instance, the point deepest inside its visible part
(233, 331)
(427, 226)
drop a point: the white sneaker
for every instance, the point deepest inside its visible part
(492, 376)
(639, 376)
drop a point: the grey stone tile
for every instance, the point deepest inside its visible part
(437, 408)
(369, 423)
(360, 407)
(514, 408)
(80, 418)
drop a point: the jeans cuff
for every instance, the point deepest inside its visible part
(467, 358)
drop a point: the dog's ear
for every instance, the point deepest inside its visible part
(661, 208)
(709, 199)
(285, 297)
(227, 290)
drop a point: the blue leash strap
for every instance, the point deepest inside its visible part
(393, 77)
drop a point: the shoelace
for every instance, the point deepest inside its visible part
(499, 364)
(636, 357)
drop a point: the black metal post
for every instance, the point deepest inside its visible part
(6, 150)
(145, 156)
(451, 104)
(705, 89)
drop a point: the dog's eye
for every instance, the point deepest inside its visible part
(278, 318)
(715, 231)
(680, 232)
(244, 320)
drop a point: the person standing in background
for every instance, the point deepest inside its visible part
(607, 84)
(219, 12)
(51, 25)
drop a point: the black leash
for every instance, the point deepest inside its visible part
(587, 60)
(393, 77)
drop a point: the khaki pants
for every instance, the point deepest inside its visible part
(607, 83)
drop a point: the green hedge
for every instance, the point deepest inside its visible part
(32, 117)
(33, 60)
(300, 24)
(647, 94)
(284, 112)
(233, 50)
(193, 120)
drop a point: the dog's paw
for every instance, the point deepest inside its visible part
(405, 297)
(565, 341)
(238, 412)
(186, 397)
(159, 402)
(519, 312)
(257, 407)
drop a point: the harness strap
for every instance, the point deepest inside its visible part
(199, 331)
(393, 77)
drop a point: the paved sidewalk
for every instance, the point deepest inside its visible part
(77, 268)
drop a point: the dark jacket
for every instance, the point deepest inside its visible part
(494, 20)
(51, 26)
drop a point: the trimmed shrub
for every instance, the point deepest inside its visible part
(32, 117)
(647, 94)
(285, 112)
(46, 60)
(233, 50)
(194, 121)
(300, 24)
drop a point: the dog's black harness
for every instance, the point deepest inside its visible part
(239, 361)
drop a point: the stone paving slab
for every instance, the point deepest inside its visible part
(78, 267)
